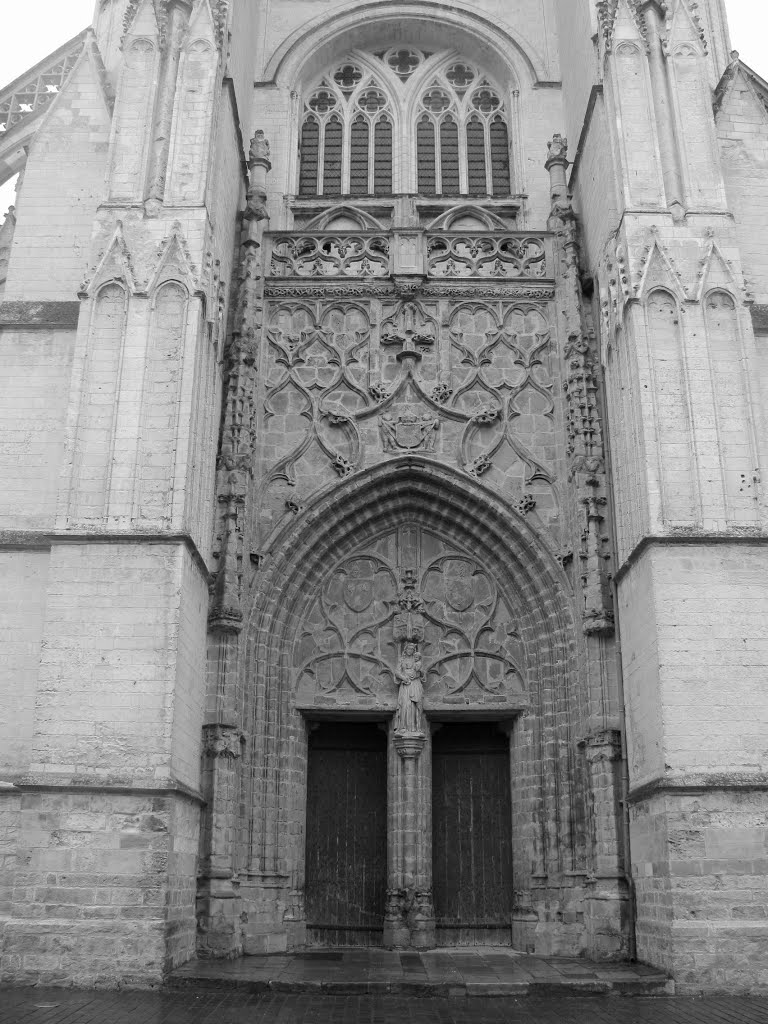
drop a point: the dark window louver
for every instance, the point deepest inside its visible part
(476, 177)
(382, 158)
(332, 161)
(358, 158)
(449, 157)
(500, 158)
(425, 144)
(310, 142)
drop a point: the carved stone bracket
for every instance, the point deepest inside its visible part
(603, 746)
(222, 741)
(409, 745)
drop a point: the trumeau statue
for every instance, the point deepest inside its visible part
(410, 698)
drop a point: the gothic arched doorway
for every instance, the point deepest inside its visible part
(415, 630)
(410, 601)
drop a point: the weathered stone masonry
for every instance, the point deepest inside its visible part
(436, 411)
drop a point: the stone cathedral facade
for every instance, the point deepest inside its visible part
(382, 518)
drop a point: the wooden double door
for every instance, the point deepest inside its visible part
(346, 837)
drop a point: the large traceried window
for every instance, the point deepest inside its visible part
(404, 120)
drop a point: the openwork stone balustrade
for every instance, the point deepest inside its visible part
(448, 254)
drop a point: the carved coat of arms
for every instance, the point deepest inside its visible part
(409, 432)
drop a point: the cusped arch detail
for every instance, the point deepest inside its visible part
(361, 24)
(472, 522)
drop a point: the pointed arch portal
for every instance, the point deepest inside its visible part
(413, 604)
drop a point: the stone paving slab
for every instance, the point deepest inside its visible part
(450, 973)
(61, 1006)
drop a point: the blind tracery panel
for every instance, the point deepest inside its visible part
(455, 140)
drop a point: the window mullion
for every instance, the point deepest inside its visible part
(322, 125)
(438, 159)
(463, 157)
(346, 148)
(488, 157)
(372, 125)
(405, 159)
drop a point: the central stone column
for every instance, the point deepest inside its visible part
(409, 920)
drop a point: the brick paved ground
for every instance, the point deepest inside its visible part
(57, 1006)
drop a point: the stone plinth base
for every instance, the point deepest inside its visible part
(701, 875)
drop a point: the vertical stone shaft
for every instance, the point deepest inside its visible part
(409, 919)
(607, 903)
(662, 105)
(217, 905)
(218, 925)
(603, 752)
(176, 20)
(408, 819)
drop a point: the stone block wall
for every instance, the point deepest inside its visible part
(103, 889)
(106, 831)
(742, 129)
(697, 716)
(110, 664)
(33, 394)
(701, 873)
(23, 587)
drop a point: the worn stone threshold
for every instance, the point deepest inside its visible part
(449, 973)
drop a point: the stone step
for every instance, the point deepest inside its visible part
(437, 973)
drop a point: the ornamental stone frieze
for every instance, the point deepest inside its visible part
(363, 362)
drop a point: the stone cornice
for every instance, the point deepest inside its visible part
(699, 539)
(51, 783)
(36, 540)
(691, 783)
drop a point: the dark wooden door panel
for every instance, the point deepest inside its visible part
(472, 839)
(346, 866)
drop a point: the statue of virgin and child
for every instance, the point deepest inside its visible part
(409, 675)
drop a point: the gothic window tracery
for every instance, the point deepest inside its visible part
(404, 120)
